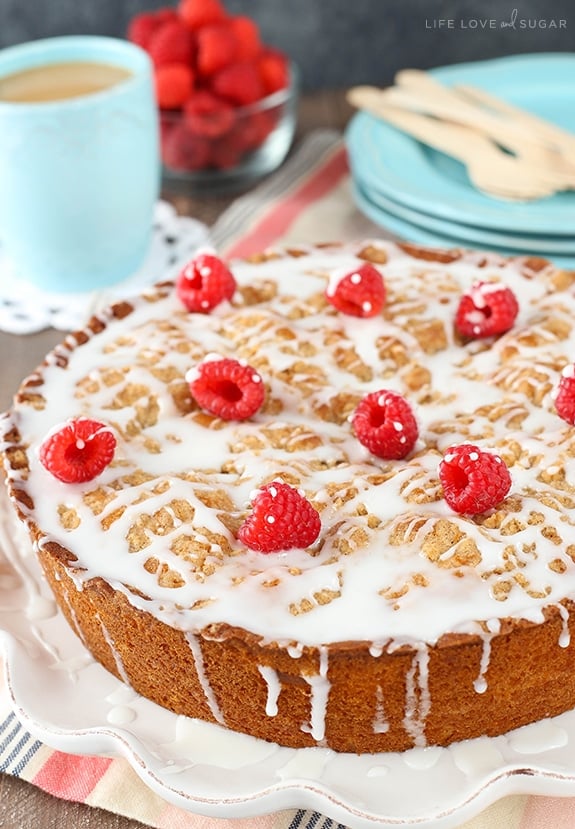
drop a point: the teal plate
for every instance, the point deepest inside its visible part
(417, 176)
(468, 234)
(412, 233)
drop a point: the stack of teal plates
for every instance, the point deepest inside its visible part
(424, 196)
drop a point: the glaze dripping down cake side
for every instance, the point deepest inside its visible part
(404, 623)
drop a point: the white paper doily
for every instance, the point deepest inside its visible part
(24, 308)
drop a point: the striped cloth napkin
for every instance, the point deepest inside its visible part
(309, 200)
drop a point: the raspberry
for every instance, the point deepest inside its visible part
(565, 395)
(78, 451)
(207, 115)
(198, 13)
(384, 423)
(171, 43)
(473, 481)
(282, 518)
(174, 84)
(273, 68)
(141, 28)
(181, 150)
(217, 48)
(239, 83)
(360, 293)
(248, 36)
(227, 388)
(205, 282)
(488, 308)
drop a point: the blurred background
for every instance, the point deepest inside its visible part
(338, 42)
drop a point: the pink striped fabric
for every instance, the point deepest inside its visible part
(312, 186)
(276, 222)
(69, 776)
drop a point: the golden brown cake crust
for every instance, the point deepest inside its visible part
(157, 662)
(352, 694)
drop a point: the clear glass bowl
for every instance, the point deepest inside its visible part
(254, 145)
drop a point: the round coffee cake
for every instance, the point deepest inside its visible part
(408, 620)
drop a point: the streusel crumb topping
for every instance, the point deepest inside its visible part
(392, 559)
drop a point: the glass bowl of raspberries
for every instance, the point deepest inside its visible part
(227, 101)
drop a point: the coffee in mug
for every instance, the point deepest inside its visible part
(58, 81)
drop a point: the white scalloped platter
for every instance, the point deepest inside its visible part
(71, 703)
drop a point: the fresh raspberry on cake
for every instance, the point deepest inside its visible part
(385, 424)
(174, 83)
(360, 293)
(282, 518)
(487, 309)
(171, 42)
(78, 451)
(228, 388)
(473, 480)
(238, 83)
(198, 13)
(205, 282)
(207, 115)
(565, 395)
(217, 48)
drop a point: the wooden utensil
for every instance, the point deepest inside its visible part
(514, 129)
(492, 171)
(511, 137)
(556, 136)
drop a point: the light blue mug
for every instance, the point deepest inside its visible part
(79, 177)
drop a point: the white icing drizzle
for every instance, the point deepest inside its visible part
(122, 696)
(565, 636)
(422, 759)
(13, 536)
(114, 651)
(40, 608)
(209, 695)
(377, 771)
(417, 696)
(74, 621)
(480, 684)
(121, 715)
(538, 737)
(201, 743)
(476, 757)
(380, 724)
(320, 687)
(274, 688)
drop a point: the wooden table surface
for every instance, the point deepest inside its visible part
(23, 806)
